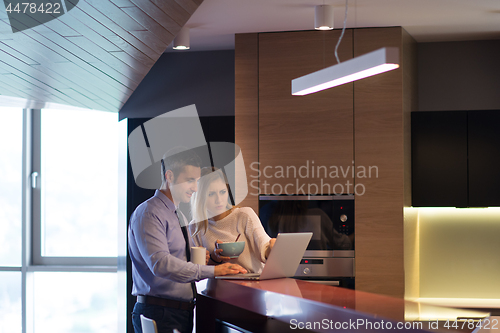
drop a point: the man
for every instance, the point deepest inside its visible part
(163, 279)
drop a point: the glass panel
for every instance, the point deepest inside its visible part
(11, 148)
(75, 302)
(79, 172)
(330, 221)
(458, 252)
(10, 302)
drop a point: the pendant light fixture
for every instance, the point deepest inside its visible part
(181, 41)
(376, 62)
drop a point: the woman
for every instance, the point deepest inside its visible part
(216, 221)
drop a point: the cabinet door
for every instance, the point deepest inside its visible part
(484, 158)
(305, 142)
(439, 159)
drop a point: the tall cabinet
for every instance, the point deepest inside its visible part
(303, 133)
(353, 138)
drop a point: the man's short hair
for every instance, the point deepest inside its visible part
(176, 159)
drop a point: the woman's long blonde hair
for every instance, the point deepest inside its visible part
(199, 202)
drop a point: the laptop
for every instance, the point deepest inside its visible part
(283, 260)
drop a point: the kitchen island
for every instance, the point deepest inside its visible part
(289, 305)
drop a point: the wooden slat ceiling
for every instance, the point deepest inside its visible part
(93, 57)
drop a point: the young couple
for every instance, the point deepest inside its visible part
(163, 277)
(216, 221)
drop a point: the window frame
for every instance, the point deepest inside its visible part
(102, 263)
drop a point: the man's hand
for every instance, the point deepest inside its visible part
(228, 268)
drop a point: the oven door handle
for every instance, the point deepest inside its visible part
(325, 282)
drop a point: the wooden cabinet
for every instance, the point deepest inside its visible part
(309, 138)
(382, 105)
(439, 159)
(455, 159)
(360, 125)
(246, 103)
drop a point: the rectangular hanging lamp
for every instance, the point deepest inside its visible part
(376, 62)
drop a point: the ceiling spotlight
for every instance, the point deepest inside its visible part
(181, 41)
(323, 17)
(373, 63)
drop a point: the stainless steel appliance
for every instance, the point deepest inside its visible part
(330, 256)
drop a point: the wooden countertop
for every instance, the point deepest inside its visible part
(297, 302)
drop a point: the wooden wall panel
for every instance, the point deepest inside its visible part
(99, 51)
(410, 103)
(379, 141)
(247, 112)
(301, 133)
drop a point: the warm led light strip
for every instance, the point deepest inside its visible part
(376, 62)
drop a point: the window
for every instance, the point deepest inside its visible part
(11, 148)
(77, 194)
(84, 302)
(10, 302)
(62, 193)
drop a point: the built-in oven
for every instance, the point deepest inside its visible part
(329, 257)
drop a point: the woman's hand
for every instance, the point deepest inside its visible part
(271, 242)
(216, 257)
(270, 246)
